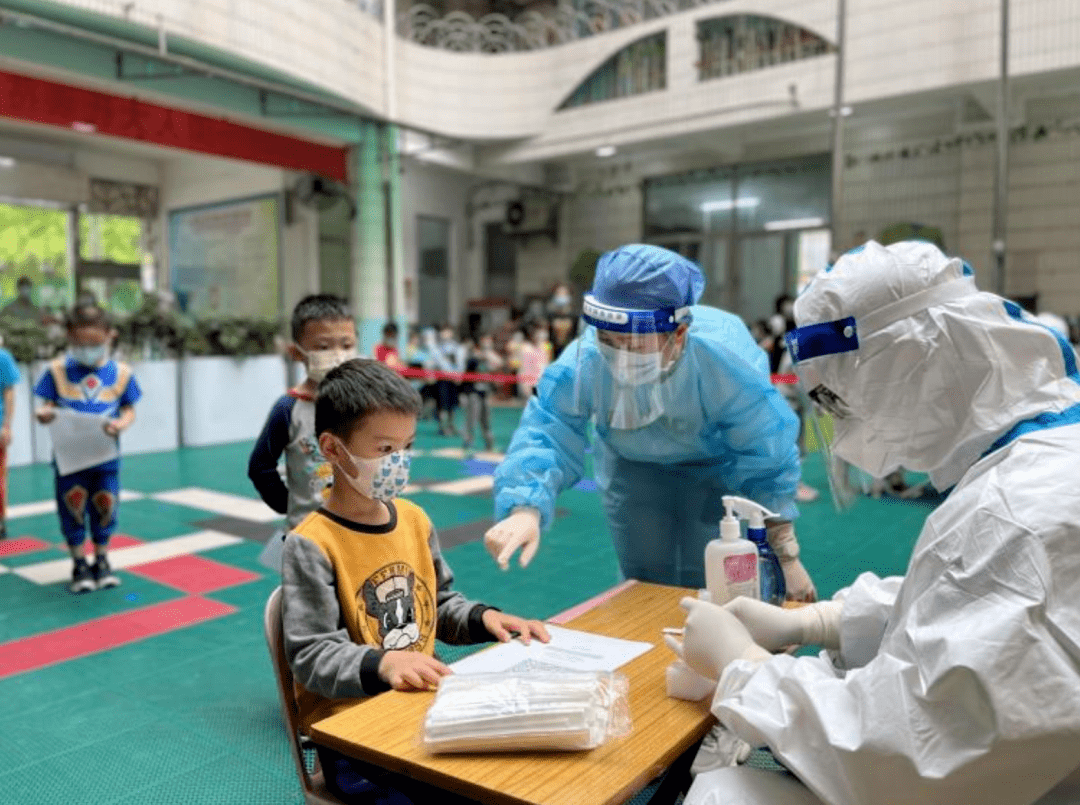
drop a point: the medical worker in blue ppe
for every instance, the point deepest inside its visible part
(679, 398)
(959, 682)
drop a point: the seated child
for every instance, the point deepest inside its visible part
(365, 589)
(323, 336)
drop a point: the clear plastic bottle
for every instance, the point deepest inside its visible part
(731, 563)
(773, 588)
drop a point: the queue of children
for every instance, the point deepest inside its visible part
(449, 362)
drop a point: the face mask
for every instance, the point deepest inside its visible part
(561, 300)
(380, 478)
(632, 368)
(320, 361)
(90, 356)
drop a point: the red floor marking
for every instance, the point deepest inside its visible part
(119, 541)
(193, 574)
(13, 547)
(115, 541)
(101, 634)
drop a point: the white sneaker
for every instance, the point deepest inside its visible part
(719, 748)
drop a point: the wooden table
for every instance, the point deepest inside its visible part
(385, 730)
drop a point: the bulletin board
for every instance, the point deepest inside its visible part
(225, 259)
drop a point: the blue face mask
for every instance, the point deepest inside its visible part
(90, 356)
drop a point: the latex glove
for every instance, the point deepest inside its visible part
(720, 748)
(781, 537)
(520, 530)
(774, 628)
(713, 638)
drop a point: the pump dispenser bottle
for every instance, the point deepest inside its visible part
(773, 588)
(731, 562)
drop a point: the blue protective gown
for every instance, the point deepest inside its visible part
(724, 430)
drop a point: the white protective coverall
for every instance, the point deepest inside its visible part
(960, 681)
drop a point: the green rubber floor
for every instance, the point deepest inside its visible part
(191, 716)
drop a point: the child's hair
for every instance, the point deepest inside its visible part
(88, 316)
(317, 307)
(358, 388)
(389, 329)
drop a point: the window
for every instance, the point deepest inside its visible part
(639, 67)
(746, 42)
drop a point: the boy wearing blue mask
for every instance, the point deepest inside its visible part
(365, 589)
(87, 381)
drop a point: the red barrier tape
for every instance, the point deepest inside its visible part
(479, 377)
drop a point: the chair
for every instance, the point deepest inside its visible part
(315, 792)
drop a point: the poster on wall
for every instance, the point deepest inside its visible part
(224, 259)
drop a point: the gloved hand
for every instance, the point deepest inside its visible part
(713, 638)
(774, 628)
(781, 536)
(520, 530)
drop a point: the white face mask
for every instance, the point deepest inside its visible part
(321, 361)
(380, 478)
(632, 368)
(90, 356)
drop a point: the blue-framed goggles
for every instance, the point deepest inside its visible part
(626, 320)
(824, 338)
(842, 335)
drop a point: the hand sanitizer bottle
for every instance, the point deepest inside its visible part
(731, 563)
(773, 588)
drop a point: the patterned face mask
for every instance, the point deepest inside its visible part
(380, 478)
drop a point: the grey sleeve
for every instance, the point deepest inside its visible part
(459, 621)
(322, 655)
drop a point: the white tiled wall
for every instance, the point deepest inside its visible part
(894, 49)
(955, 191)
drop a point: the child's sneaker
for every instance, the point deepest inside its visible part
(103, 574)
(82, 578)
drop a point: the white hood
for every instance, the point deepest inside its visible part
(941, 371)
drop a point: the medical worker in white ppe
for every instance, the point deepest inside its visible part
(959, 682)
(678, 395)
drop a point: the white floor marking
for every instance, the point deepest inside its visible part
(56, 570)
(220, 503)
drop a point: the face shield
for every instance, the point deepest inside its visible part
(624, 357)
(869, 402)
(826, 410)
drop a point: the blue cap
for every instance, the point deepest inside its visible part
(643, 277)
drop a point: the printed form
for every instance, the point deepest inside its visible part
(569, 650)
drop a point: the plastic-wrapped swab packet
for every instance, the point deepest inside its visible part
(537, 711)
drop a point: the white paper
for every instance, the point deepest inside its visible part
(569, 650)
(79, 440)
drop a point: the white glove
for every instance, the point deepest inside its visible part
(781, 536)
(520, 530)
(774, 628)
(713, 638)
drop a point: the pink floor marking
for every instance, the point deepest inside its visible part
(101, 634)
(193, 574)
(595, 601)
(115, 541)
(13, 547)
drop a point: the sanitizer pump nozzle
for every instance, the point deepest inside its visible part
(773, 589)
